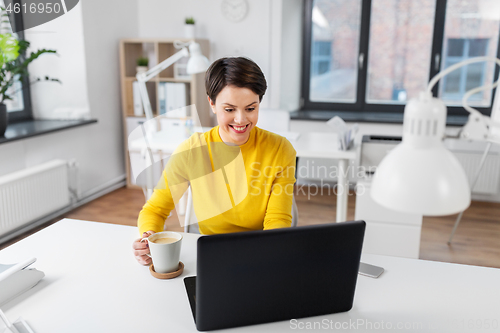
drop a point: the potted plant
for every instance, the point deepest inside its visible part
(142, 65)
(189, 28)
(13, 66)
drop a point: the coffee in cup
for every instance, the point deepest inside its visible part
(164, 240)
(165, 249)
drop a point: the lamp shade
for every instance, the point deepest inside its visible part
(421, 181)
(197, 62)
(420, 175)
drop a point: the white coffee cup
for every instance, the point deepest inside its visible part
(165, 255)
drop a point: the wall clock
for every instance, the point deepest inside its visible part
(234, 10)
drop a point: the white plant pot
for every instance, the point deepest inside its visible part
(141, 69)
(189, 31)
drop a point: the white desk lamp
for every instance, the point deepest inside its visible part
(420, 175)
(197, 63)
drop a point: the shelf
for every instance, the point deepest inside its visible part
(31, 128)
(162, 40)
(160, 79)
(129, 96)
(166, 50)
(134, 51)
(157, 50)
(168, 79)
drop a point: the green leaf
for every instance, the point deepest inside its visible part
(13, 57)
(9, 48)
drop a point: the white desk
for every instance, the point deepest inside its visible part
(93, 284)
(324, 145)
(308, 145)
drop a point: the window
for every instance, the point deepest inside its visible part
(19, 108)
(335, 38)
(399, 50)
(321, 58)
(458, 82)
(374, 55)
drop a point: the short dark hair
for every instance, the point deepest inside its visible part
(234, 71)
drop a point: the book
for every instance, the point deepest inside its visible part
(169, 95)
(138, 109)
(162, 97)
(175, 94)
(180, 100)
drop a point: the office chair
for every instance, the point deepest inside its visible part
(191, 225)
(274, 120)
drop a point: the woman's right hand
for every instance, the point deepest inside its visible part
(141, 249)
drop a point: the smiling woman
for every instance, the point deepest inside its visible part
(235, 87)
(241, 176)
(236, 121)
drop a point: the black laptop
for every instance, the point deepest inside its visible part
(265, 276)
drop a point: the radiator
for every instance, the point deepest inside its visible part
(488, 180)
(33, 193)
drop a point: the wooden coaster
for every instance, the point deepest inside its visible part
(170, 275)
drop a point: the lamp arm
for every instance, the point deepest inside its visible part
(473, 91)
(477, 115)
(143, 91)
(142, 78)
(450, 69)
(152, 72)
(478, 126)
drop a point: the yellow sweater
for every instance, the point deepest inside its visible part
(235, 188)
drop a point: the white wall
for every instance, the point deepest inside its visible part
(105, 23)
(250, 37)
(291, 54)
(98, 148)
(65, 35)
(270, 34)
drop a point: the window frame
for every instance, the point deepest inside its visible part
(451, 60)
(361, 105)
(27, 113)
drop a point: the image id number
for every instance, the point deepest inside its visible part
(33, 8)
